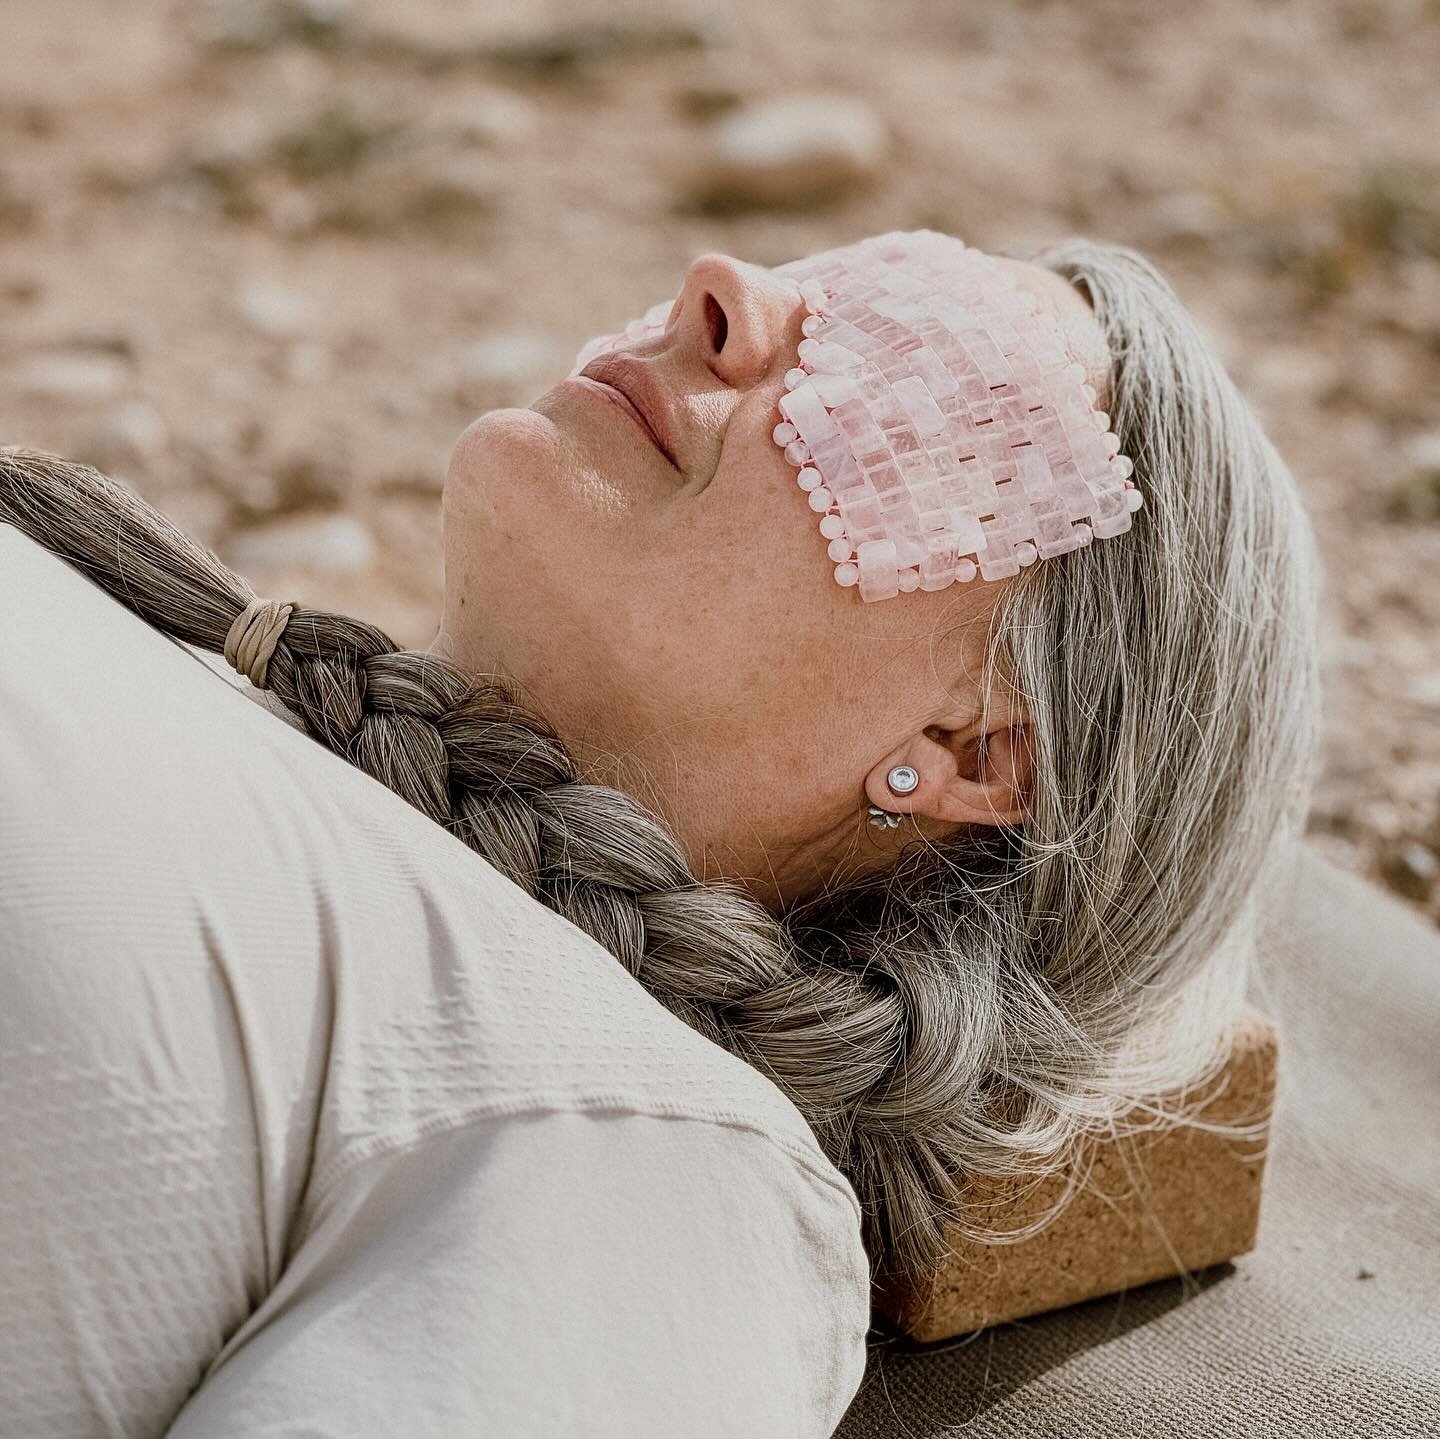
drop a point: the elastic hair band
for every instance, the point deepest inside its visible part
(253, 635)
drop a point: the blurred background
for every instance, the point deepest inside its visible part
(265, 259)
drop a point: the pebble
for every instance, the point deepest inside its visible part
(315, 543)
(309, 363)
(574, 42)
(1422, 452)
(133, 433)
(270, 308)
(1291, 371)
(800, 149)
(260, 24)
(507, 356)
(1411, 869)
(1185, 215)
(484, 117)
(74, 375)
(1424, 689)
(432, 189)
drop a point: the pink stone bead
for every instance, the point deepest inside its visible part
(794, 378)
(811, 326)
(840, 549)
(966, 571)
(1026, 553)
(821, 500)
(797, 452)
(1134, 499)
(832, 527)
(1085, 532)
(847, 575)
(909, 581)
(784, 432)
(809, 479)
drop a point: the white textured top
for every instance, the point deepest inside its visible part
(312, 1122)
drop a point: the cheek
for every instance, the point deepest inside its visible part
(743, 588)
(756, 515)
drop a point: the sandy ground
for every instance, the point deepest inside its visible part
(266, 260)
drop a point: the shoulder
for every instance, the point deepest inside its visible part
(161, 830)
(597, 1272)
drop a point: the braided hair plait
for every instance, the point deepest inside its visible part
(465, 752)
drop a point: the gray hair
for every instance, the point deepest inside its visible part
(994, 997)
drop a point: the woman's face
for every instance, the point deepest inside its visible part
(674, 615)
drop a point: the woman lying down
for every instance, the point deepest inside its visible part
(872, 686)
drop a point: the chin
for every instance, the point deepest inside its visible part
(501, 447)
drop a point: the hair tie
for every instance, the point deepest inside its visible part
(253, 635)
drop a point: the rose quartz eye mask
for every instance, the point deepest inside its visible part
(937, 424)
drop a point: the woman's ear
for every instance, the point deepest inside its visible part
(1005, 773)
(965, 778)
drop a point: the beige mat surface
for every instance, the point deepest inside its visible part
(1332, 1325)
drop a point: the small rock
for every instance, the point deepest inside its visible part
(74, 375)
(1328, 818)
(1291, 372)
(133, 433)
(705, 100)
(309, 483)
(202, 513)
(237, 139)
(260, 24)
(1422, 452)
(1411, 869)
(484, 117)
(1186, 215)
(1424, 689)
(802, 149)
(1415, 495)
(309, 363)
(508, 356)
(290, 211)
(18, 212)
(339, 137)
(21, 289)
(431, 189)
(315, 543)
(273, 309)
(569, 45)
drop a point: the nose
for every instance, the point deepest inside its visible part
(735, 315)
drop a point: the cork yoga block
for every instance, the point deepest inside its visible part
(1153, 1205)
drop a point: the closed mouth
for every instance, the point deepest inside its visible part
(636, 390)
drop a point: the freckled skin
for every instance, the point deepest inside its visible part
(684, 633)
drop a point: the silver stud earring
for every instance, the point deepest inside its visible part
(901, 779)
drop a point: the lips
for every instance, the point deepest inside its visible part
(646, 396)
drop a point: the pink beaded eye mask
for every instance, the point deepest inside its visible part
(938, 426)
